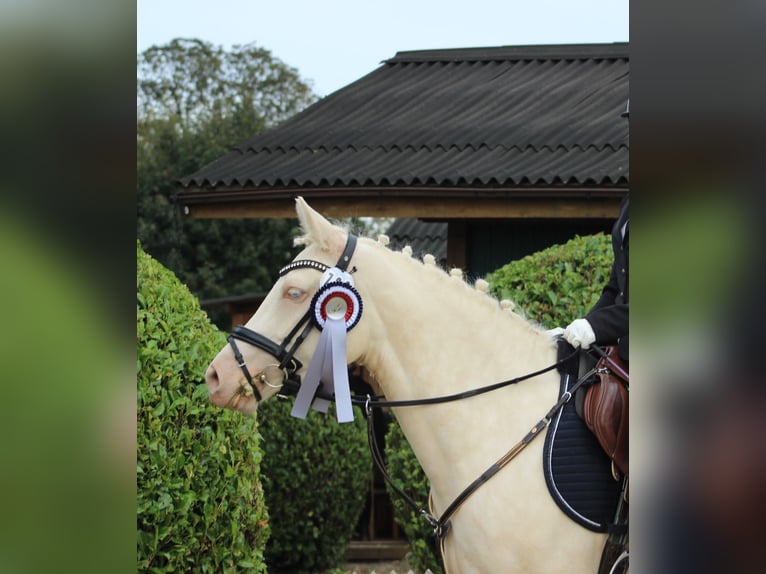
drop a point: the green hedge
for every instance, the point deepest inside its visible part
(558, 284)
(551, 287)
(316, 476)
(199, 501)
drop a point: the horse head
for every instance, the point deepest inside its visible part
(278, 341)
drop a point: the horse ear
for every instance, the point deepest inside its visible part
(316, 228)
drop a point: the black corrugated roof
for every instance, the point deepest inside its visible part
(423, 237)
(506, 116)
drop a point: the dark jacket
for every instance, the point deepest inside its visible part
(609, 316)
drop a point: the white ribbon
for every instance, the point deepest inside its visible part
(328, 366)
(337, 308)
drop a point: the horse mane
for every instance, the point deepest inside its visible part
(454, 277)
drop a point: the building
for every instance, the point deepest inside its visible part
(515, 147)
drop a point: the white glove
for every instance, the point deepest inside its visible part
(555, 333)
(579, 333)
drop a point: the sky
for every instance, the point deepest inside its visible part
(335, 42)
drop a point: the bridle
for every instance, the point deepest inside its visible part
(288, 364)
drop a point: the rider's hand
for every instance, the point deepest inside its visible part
(555, 333)
(579, 333)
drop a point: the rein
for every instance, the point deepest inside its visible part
(442, 524)
(380, 403)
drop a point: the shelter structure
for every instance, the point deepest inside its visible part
(515, 147)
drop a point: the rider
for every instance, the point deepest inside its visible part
(607, 322)
(604, 407)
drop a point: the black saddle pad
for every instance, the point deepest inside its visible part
(577, 470)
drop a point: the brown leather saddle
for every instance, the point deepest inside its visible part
(605, 408)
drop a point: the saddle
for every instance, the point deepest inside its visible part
(605, 408)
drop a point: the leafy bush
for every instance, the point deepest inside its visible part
(551, 287)
(199, 502)
(558, 284)
(316, 476)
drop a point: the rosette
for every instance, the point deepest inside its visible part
(336, 309)
(337, 300)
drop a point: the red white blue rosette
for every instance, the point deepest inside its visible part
(336, 309)
(337, 300)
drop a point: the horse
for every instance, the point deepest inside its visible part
(425, 332)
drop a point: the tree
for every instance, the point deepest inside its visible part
(196, 101)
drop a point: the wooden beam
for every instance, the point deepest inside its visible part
(456, 245)
(434, 208)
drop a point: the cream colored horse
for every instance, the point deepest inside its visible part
(425, 333)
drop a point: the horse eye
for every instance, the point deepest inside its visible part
(294, 294)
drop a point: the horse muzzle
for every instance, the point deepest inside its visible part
(239, 389)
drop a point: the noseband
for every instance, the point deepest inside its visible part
(288, 364)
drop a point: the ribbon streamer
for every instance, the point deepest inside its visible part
(328, 366)
(337, 308)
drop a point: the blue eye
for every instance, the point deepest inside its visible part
(294, 293)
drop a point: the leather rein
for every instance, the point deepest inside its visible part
(291, 365)
(441, 525)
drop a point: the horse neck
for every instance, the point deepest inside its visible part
(434, 335)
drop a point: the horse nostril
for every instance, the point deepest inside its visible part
(211, 379)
